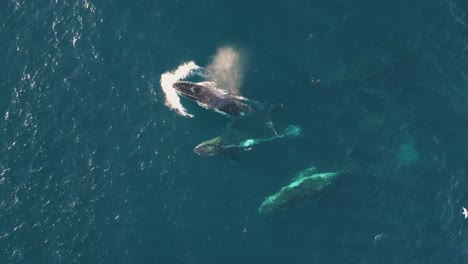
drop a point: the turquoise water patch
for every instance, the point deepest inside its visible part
(408, 154)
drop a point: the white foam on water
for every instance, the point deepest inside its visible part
(169, 78)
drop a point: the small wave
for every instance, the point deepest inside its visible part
(169, 78)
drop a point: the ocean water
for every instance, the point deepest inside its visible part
(95, 168)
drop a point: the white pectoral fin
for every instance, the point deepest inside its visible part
(203, 105)
(220, 112)
(246, 100)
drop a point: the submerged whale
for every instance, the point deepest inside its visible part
(303, 186)
(207, 95)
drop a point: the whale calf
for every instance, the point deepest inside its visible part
(232, 143)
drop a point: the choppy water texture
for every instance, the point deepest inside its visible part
(94, 168)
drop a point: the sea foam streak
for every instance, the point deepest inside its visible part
(169, 78)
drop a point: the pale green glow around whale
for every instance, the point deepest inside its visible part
(304, 185)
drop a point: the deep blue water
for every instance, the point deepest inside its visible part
(94, 168)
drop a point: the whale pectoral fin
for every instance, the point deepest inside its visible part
(269, 117)
(232, 157)
(230, 127)
(234, 160)
(247, 100)
(231, 109)
(230, 153)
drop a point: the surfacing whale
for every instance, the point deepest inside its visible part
(207, 95)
